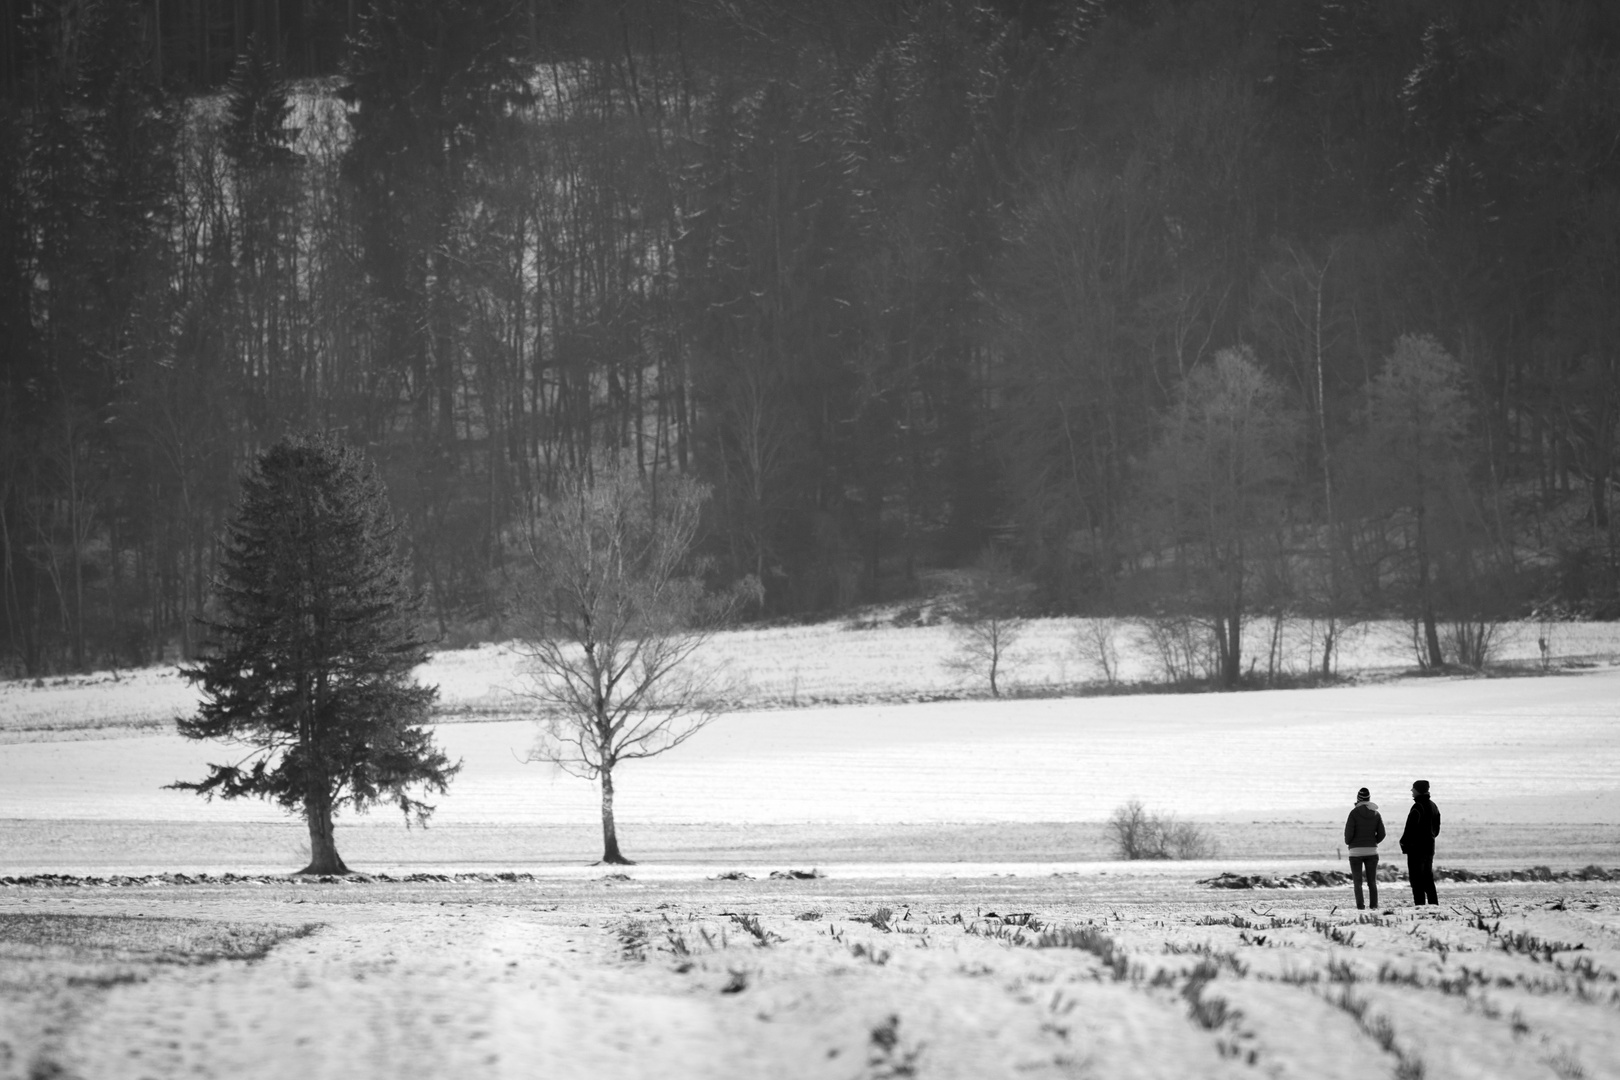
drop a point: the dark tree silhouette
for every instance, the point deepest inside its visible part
(312, 652)
(895, 280)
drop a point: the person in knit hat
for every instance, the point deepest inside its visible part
(1363, 832)
(1417, 840)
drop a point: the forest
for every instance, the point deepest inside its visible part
(1203, 308)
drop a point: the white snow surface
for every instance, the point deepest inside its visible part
(1125, 978)
(655, 973)
(794, 666)
(1530, 749)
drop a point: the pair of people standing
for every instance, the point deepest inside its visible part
(1364, 831)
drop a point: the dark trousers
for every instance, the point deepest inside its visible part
(1369, 864)
(1420, 868)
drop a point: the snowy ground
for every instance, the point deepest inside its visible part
(941, 811)
(1516, 751)
(791, 667)
(1114, 976)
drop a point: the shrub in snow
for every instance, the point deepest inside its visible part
(1139, 834)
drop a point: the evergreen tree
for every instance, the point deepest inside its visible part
(259, 109)
(313, 651)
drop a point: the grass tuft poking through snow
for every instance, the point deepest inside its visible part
(1378, 1028)
(155, 940)
(1092, 940)
(762, 937)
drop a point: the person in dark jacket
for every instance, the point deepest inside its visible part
(1363, 832)
(1417, 840)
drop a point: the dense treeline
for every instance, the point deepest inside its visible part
(1212, 308)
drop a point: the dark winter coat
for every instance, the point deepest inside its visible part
(1364, 828)
(1422, 826)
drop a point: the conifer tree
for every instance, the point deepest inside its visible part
(313, 648)
(258, 108)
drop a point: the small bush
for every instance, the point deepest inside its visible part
(1184, 647)
(1096, 642)
(1138, 834)
(1470, 642)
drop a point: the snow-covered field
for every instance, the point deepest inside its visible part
(1270, 771)
(941, 811)
(1543, 749)
(788, 667)
(1117, 976)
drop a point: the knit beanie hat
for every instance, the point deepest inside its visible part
(1363, 795)
(1420, 786)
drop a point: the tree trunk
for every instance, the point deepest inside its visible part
(323, 853)
(1229, 638)
(610, 832)
(1431, 633)
(1335, 588)
(1234, 650)
(77, 541)
(1431, 637)
(995, 658)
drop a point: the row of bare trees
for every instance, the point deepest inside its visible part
(1222, 490)
(899, 281)
(1224, 529)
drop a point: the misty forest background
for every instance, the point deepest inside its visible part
(1107, 289)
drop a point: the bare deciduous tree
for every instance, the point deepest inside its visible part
(1217, 480)
(989, 621)
(1418, 416)
(1294, 314)
(614, 616)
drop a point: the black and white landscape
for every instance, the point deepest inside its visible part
(880, 538)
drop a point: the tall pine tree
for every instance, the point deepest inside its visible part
(313, 650)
